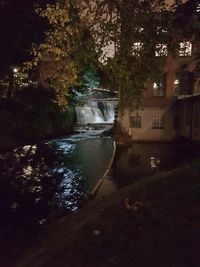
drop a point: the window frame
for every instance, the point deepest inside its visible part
(161, 86)
(183, 83)
(185, 50)
(158, 122)
(135, 121)
(161, 50)
(137, 47)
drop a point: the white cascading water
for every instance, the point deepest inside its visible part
(109, 111)
(96, 111)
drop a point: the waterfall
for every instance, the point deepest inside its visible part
(96, 111)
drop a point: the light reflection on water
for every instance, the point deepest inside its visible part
(49, 179)
(68, 191)
(142, 159)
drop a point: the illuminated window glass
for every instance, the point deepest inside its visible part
(161, 50)
(137, 46)
(161, 30)
(159, 86)
(158, 122)
(184, 83)
(139, 29)
(185, 49)
(198, 7)
(135, 121)
(176, 86)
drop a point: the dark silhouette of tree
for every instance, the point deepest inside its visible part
(19, 28)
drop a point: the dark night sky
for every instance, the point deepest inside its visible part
(19, 27)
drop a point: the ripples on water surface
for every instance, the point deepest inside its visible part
(50, 179)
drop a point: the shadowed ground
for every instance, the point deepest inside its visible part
(162, 230)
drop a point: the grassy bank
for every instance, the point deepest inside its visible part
(31, 116)
(161, 230)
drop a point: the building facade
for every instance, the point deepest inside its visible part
(170, 105)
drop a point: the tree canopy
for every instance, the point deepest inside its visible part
(83, 32)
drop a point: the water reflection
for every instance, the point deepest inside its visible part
(29, 179)
(49, 179)
(70, 192)
(139, 160)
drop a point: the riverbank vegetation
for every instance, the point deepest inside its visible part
(31, 116)
(160, 228)
(29, 108)
(27, 112)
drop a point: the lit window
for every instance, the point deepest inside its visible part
(158, 122)
(161, 50)
(137, 48)
(183, 83)
(135, 121)
(198, 7)
(158, 89)
(139, 29)
(176, 86)
(161, 30)
(185, 49)
(159, 86)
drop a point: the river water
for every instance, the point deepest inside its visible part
(44, 181)
(47, 180)
(141, 159)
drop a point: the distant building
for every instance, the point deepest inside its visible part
(170, 106)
